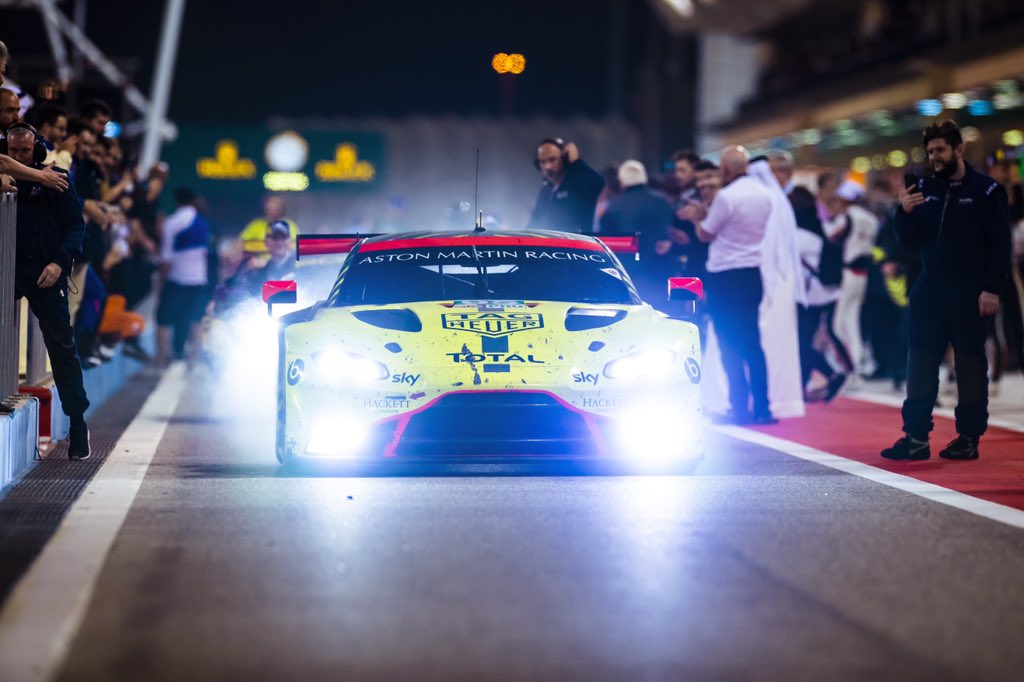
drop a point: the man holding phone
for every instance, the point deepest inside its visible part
(959, 219)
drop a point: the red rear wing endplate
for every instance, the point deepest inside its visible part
(621, 244)
(327, 244)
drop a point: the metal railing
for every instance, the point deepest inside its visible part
(9, 327)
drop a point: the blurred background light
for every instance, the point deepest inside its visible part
(1013, 138)
(897, 158)
(287, 151)
(878, 162)
(112, 129)
(277, 181)
(918, 155)
(861, 164)
(954, 100)
(980, 107)
(970, 134)
(514, 63)
(929, 107)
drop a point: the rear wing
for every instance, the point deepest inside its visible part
(621, 243)
(327, 244)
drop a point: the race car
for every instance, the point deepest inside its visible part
(488, 345)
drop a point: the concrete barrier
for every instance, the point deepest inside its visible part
(19, 436)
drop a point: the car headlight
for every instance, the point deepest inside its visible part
(337, 436)
(337, 365)
(648, 364)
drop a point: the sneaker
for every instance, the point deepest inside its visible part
(136, 353)
(92, 361)
(106, 352)
(908, 447)
(962, 447)
(78, 439)
(835, 386)
(765, 419)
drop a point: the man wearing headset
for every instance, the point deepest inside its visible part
(10, 167)
(568, 196)
(49, 238)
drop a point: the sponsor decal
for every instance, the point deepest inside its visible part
(584, 378)
(405, 378)
(296, 368)
(693, 370)
(500, 358)
(604, 403)
(392, 403)
(492, 324)
(966, 200)
(456, 255)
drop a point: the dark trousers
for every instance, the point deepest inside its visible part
(50, 306)
(809, 320)
(941, 315)
(734, 297)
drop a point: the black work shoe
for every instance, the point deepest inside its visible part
(908, 447)
(835, 385)
(962, 447)
(78, 439)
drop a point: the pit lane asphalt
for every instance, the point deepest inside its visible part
(757, 566)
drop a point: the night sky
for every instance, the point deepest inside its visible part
(252, 60)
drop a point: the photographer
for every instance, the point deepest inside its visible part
(49, 238)
(959, 219)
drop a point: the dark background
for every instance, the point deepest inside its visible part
(248, 61)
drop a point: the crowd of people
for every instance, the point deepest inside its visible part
(809, 283)
(813, 281)
(87, 236)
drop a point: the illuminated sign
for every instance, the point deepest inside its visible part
(282, 181)
(287, 152)
(345, 166)
(226, 164)
(250, 160)
(508, 63)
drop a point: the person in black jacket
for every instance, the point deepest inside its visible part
(959, 219)
(567, 199)
(49, 238)
(640, 210)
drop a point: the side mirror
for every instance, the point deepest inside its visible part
(279, 292)
(688, 290)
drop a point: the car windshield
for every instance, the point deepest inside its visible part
(582, 274)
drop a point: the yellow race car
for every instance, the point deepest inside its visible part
(487, 346)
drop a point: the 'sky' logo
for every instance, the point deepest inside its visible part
(492, 324)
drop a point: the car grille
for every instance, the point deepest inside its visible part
(496, 425)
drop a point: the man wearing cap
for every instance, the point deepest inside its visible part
(280, 266)
(856, 228)
(639, 209)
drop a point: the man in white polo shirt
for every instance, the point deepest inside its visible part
(735, 227)
(184, 254)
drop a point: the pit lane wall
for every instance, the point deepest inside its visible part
(19, 415)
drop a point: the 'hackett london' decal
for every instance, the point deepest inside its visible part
(492, 324)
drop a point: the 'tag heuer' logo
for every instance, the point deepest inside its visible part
(492, 324)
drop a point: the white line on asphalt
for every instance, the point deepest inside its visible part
(929, 491)
(949, 413)
(46, 608)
